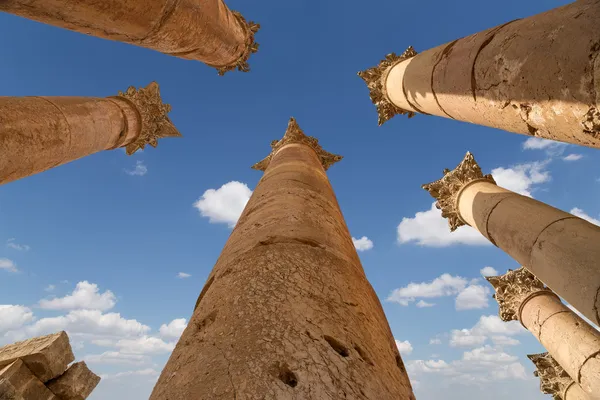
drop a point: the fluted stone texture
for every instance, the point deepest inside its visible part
(287, 312)
(203, 30)
(39, 133)
(534, 76)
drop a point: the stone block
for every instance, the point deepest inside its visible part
(75, 384)
(25, 385)
(46, 356)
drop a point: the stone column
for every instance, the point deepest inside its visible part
(287, 312)
(39, 133)
(573, 343)
(554, 380)
(535, 76)
(202, 30)
(559, 248)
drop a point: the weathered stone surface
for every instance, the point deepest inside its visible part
(287, 312)
(23, 383)
(46, 356)
(8, 391)
(77, 383)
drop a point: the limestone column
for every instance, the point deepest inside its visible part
(535, 76)
(287, 312)
(573, 343)
(559, 248)
(39, 133)
(554, 380)
(202, 30)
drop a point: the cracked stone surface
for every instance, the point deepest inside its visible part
(77, 383)
(287, 312)
(18, 382)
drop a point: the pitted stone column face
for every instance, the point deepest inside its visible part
(574, 344)
(534, 76)
(559, 248)
(287, 311)
(39, 133)
(203, 30)
(554, 380)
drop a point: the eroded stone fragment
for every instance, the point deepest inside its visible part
(21, 383)
(77, 383)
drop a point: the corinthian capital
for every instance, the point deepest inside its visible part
(553, 378)
(294, 134)
(446, 189)
(375, 79)
(250, 46)
(512, 289)
(155, 123)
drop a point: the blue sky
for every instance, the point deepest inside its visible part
(96, 246)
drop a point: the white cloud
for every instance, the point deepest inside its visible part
(488, 271)
(50, 288)
(473, 297)
(541, 144)
(8, 265)
(578, 212)
(501, 340)
(429, 228)
(488, 353)
(14, 317)
(405, 348)
(424, 304)
(445, 285)
(224, 205)
(85, 296)
(173, 329)
(362, 244)
(183, 275)
(115, 357)
(139, 170)
(487, 327)
(573, 157)
(435, 341)
(10, 243)
(521, 178)
(141, 372)
(145, 345)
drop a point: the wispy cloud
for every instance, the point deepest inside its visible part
(139, 170)
(10, 243)
(573, 157)
(8, 265)
(183, 275)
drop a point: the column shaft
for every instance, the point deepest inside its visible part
(533, 76)
(203, 30)
(557, 247)
(39, 133)
(287, 311)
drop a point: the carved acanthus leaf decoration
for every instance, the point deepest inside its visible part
(155, 122)
(446, 189)
(250, 46)
(512, 288)
(553, 378)
(375, 79)
(294, 134)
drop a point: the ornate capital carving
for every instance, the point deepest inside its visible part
(375, 79)
(153, 112)
(294, 134)
(250, 46)
(512, 289)
(553, 378)
(446, 190)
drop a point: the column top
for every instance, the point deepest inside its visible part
(446, 189)
(375, 78)
(294, 134)
(155, 123)
(250, 46)
(512, 289)
(553, 378)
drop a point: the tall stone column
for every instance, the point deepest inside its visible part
(559, 248)
(287, 312)
(554, 380)
(202, 30)
(535, 76)
(39, 133)
(573, 343)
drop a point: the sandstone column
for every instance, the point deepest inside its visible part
(560, 249)
(203, 30)
(287, 312)
(554, 380)
(573, 343)
(535, 76)
(39, 133)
